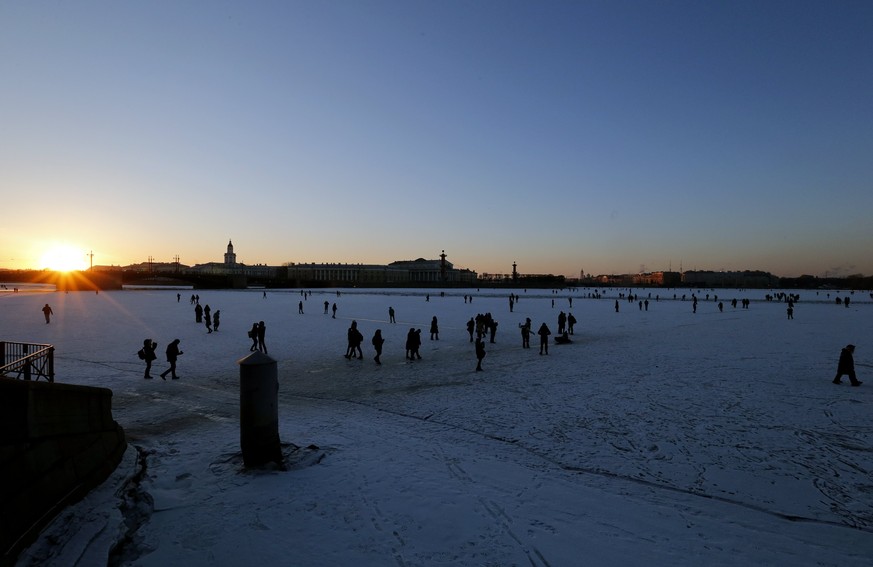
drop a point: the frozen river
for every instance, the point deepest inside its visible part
(658, 437)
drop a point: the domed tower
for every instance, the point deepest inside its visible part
(229, 256)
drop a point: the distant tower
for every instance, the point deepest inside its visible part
(229, 256)
(443, 266)
(514, 272)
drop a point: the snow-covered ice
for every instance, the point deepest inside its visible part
(659, 437)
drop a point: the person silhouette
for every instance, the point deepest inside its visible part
(378, 341)
(260, 334)
(253, 334)
(525, 333)
(47, 312)
(434, 329)
(544, 333)
(846, 365)
(480, 353)
(148, 354)
(172, 353)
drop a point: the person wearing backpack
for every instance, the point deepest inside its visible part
(147, 353)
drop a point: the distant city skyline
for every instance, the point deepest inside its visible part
(609, 137)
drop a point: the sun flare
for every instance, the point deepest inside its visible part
(64, 258)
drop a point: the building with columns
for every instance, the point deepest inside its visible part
(416, 272)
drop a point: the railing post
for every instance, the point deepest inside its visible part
(2, 353)
(51, 364)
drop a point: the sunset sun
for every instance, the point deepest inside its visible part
(64, 258)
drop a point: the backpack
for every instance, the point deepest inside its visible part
(141, 354)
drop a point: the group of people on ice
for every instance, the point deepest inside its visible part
(479, 326)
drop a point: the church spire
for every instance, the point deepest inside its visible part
(229, 256)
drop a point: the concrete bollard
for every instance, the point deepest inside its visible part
(259, 410)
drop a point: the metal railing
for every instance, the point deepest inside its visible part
(27, 361)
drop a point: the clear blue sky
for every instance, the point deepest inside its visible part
(604, 136)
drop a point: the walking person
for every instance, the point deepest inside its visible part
(846, 365)
(326, 305)
(261, 333)
(471, 326)
(215, 319)
(544, 333)
(173, 353)
(300, 307)
(434, 329)
(198, 313)
(334, 311)
(391, 315)
(208, 318)
(47, 311)
(378, 341)
(147, 353)
(480, 353)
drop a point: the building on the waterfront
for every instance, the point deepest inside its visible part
(658, 279)
(402, 272)
(229, 256)
(747, 278)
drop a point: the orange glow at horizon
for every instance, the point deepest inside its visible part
(64, 258)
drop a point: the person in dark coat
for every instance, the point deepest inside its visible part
(355, 339)
(215, 320)
(173, 353)
(480, 353)
(261, 333)
(492, 328)
(544, 333)
(562, 321)
(525, 333)
(47, 311)
(207, 313)
(253, 334)
(416, 344)
(434, 329)
(378, 341)
(571, 322)
(333, 314)
(198, 313)
(410, 344)
(148, 354)
(471, 326)
(391, 315)
(846, 365)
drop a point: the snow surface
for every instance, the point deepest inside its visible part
(659, 437)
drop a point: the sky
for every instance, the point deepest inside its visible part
(604, 137)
